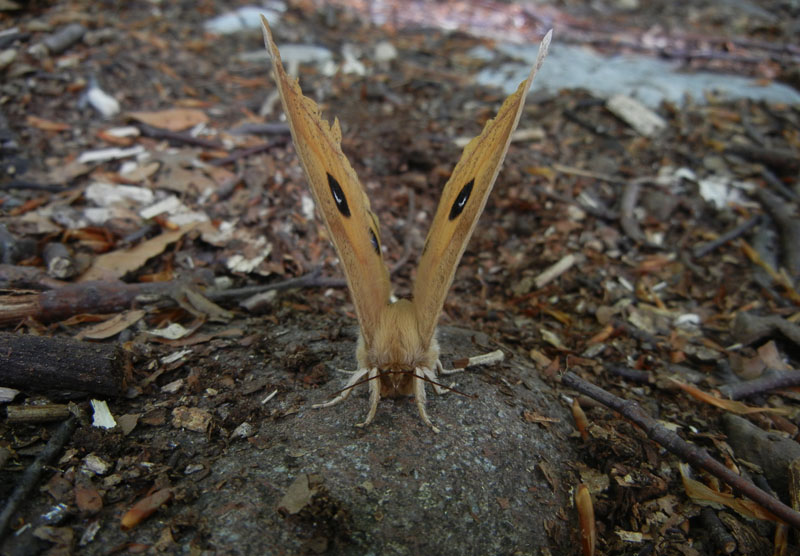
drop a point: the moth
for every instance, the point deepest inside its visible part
(397, 350)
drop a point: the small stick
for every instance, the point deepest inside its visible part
(244, 153)
(37, 413)
(634, 375)
(33, 186)
(309, 280)
(158, 133)
(29, 362)
(789, 227)
(748, 388)
(775, 182)
(693, 454)
(717, 531)
(705, 248)
(261, 129)
(34, 471)
(627, 220)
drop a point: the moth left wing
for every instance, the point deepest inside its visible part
(339, 195)
(463, 199)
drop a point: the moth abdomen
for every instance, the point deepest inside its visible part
(461, 200)
(338, 196)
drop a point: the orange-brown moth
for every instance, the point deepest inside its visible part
(397, 351)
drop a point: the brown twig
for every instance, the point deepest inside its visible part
(627, 220)
(84, 297)
(784, 159)
(21, 277)
(717, 531)
(31, 476)
(244, 153)
(706, 248)
(312, 279)
(37, 413)
(33, 186)
(634, 375)
(159, 133)
(748, 388)
(671, 441)
(789, 226)
(775, 183)
(254, 128)
(30, 362)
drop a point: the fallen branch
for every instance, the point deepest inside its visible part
(706, 248)
(73, 299)
(40, 363)
(177, 137)
(627, 218)
(693, 454)
(34, 471)
(37, 413)
(244, 153)
(633, 375)
(13, 276)
(722, 539)
(748, 388)
(784, 159)
(312, 279)
(789, 227)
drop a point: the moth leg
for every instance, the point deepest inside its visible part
(355, 376)
(374, 396)
(419, 395)
(431, 376)
(495, 356)
(442, 371)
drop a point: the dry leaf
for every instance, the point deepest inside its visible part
(705, 496)
(728, 405)
(583, 501)
(141, 173)
(112, 326)
(300, 493)
(191, 418)
(46, 125)
(173, 119)
(771, 357)
(144, 508)
(88, 499)
(117, 264)
(581, 422)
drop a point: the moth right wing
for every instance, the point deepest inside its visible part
(463, 199)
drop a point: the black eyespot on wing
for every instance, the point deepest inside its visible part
(338, 196)
(461, 199)
(374, 240)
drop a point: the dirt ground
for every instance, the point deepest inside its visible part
(663, 268)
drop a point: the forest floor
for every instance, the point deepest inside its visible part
(165, 260)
